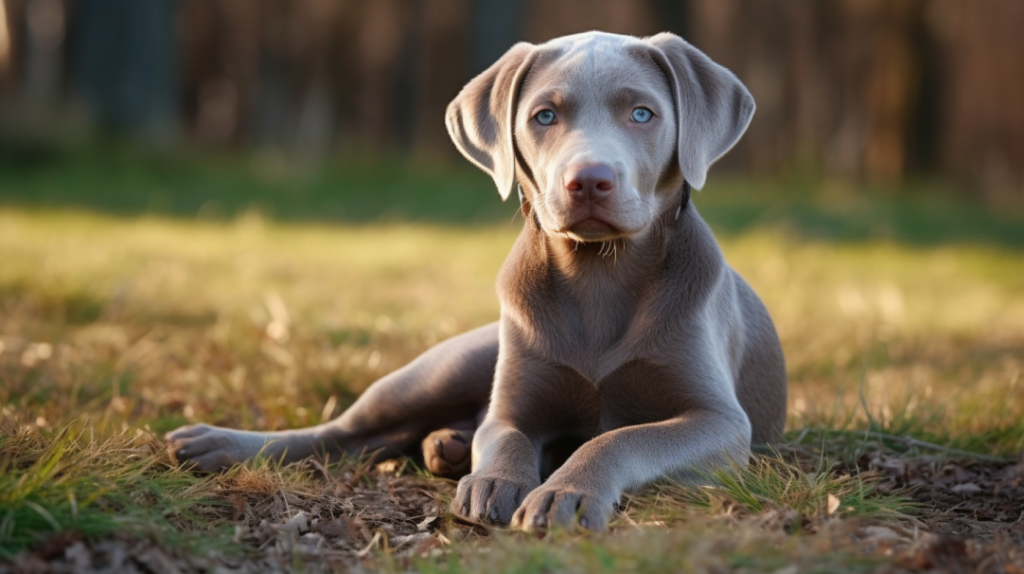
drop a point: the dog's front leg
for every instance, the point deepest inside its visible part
(586, 488)
(532, 400)
(505, 470)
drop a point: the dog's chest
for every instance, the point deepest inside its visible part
(597, 339)
(638, 392)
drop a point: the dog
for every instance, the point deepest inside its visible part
(627, 349)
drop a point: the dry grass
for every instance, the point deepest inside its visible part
(114, 331)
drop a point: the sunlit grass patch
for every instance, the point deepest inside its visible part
(802, 491)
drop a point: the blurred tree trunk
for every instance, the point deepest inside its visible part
(496, 26)
(45, 32)
(378, 48)
(443, 56)
(125, 65)
(672, 16)
(926, 117)
(7, 45)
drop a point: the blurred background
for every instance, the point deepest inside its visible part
(854, 95)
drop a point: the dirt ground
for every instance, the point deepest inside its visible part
(969, 517)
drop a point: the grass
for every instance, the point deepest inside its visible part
(115, 329)
(70, 480)
(775, 484)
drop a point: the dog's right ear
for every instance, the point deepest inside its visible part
(480, 119)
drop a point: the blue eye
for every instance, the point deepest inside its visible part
(545, 117)
(642, 115)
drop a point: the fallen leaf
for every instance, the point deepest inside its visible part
(297, 524)
(966, 488)
(426, 522)
(399, 541)
(880, 533)
(833, 503)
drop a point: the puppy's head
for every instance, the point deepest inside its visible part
(600, 130)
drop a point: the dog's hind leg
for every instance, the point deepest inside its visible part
(448, 383)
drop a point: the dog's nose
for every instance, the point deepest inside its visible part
(594, 181)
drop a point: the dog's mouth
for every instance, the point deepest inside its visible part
(593, 229)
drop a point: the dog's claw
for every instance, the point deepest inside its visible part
(554, 507)
(488, 499)
(211, 449)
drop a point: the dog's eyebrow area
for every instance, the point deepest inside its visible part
(552, 98)
(619, 99)
(627, 97)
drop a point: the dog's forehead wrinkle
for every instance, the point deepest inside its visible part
(595, 57)
(594, 42)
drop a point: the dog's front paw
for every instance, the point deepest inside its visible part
(565, 507)
(212, 449)
(484, 499)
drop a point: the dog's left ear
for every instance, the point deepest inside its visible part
(713, 108)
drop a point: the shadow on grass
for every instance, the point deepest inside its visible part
(128, 182)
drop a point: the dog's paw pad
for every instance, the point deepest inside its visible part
(446, 452)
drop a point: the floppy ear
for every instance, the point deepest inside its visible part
(480, 118)
(713, 108)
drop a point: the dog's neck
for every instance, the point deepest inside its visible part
(623, 261)
(583, 297)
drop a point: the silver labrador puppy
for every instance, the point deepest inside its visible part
(627, 349)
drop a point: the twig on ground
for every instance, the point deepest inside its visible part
(910, 441)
